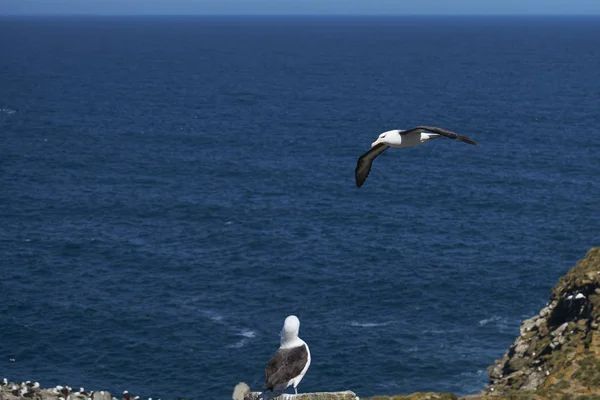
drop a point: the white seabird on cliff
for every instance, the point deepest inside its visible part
(290, 362)
(399, 139)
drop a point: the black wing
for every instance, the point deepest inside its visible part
(363, 166)
(286, 364)
(442, 132)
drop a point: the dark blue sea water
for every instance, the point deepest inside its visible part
(172, 188)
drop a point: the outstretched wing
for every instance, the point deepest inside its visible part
(363, 166)
(285, 365)
(442, 132)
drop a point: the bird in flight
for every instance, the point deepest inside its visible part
(399, 138)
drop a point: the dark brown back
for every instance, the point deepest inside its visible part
(285, 365)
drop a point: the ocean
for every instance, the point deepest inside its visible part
(171, 188)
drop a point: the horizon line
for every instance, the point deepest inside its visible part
(380, 15)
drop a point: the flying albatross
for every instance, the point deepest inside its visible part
(290, 362)
(399, 139)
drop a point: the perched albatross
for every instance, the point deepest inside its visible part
(290, 362)
(399, 139)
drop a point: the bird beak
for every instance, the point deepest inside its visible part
(375, 143)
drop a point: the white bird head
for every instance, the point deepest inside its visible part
(390, 138)
(291, 327)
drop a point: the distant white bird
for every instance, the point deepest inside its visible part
(399, 139)
(290, 362)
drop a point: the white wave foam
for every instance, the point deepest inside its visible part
(368, 324)
(7, 111)
(488, 320)
(442, 331)
(479, 372)
(213, 316)
(238, 344)
(247, 334)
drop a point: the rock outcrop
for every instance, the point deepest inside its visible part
(347, 395)
(242, 392)
(558, 350)
(417, 396)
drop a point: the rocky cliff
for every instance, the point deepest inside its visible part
(557, 353)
